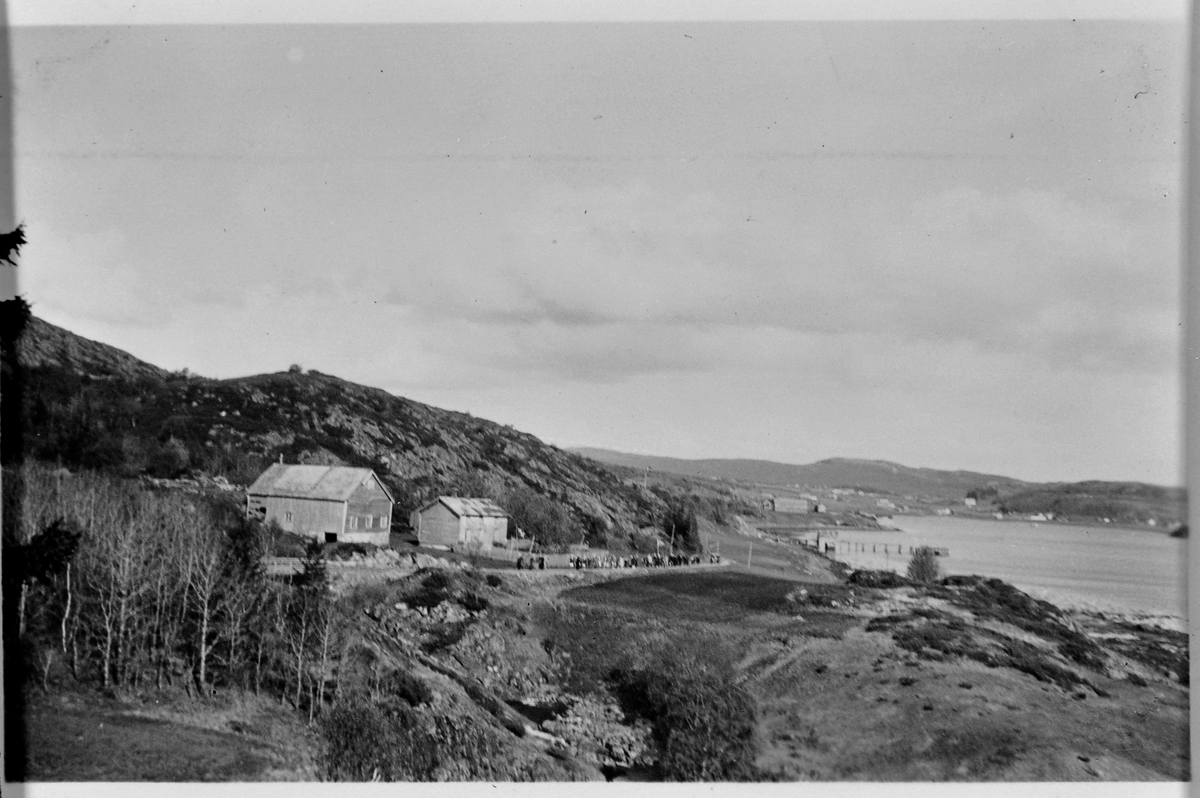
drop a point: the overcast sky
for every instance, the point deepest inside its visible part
(951, 244)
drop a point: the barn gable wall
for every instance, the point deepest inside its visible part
(496, 530)
(475, 534)
(437, 526)
(368, 504)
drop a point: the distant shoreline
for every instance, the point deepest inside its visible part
(1099, 524)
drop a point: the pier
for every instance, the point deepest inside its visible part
(852, 547)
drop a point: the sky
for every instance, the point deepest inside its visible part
(950, 243)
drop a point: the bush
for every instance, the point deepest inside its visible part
(702, 722)
(170, 460)
(403, 684)
(436, 587)
(371, 742)
(923, 567)
(542, 518)
(681, 526)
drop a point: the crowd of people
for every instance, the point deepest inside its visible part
(613, 561)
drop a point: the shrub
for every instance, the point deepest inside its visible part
(373, 742)
(681, 526)
(170, 460)
(403, 684)
(436, 587)
(923, 567)
(702, 722)
(542, 518)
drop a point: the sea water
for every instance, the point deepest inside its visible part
(1103, 568)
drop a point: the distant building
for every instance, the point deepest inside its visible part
(885, 503)
(942, 511)
(818, 508)
(970, 502)
(789, 505)
(459, 523)
(328, 503)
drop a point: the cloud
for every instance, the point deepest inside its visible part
(1034, 273)
(611, 281)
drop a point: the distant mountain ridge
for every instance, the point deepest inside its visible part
(879, 476)
(1095, 500)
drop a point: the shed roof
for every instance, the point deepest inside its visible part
(335, 483)
(471, 508)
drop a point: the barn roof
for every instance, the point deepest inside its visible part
(336, 483)
(471, 508)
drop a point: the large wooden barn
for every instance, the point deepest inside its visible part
(329, 503)
(459, 523)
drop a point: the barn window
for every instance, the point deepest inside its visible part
(382, 521)
(369, 521)
(354, 522)
(287, 517)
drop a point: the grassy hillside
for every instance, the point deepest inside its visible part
(1121, 502)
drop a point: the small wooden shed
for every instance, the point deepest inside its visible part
(460, 523)
(329, 503)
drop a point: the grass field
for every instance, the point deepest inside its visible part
(712, 597)
(84, 736)
(838, 702)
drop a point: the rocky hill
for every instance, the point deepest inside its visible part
(45, 345)
(94, 406)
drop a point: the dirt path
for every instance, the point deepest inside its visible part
(766, 557)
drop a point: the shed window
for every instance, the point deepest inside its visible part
(369, 520)
(287, 517)
(354, 522)
(382, 521)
